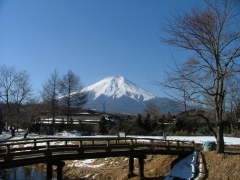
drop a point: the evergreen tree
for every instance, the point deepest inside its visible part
(147, 123)
(103, 126)
(139, 121)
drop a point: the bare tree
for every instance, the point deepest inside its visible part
(153, 110)
(50, 94)
(232, 102)
(15, 89)
(213, 34)
(32, 111)
(73, 96)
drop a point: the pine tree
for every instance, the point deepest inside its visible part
(103, 126)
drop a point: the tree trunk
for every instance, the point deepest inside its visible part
(1, 126)
(1, 121)
(220, 140)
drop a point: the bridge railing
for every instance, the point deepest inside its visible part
(45, 147)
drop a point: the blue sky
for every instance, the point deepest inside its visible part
(93, 38)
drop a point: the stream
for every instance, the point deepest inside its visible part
(21, 173)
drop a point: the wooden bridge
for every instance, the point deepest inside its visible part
(53, 151)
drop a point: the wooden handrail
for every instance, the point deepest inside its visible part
(89, 138)
(47, 148)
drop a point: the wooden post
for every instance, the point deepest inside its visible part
(60, 165)
(35, 144)
(80, 144)
(108, 148)
(49, 171)
(48, 151)
(167, 143)
(131, 145)
(8, 152)
(108, 143)
(178, 144)
(130, 167)
(80, 149)
(141, 167)
(131, 142)
(8, 149)
(47, 145)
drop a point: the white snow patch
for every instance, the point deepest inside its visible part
(94, 176)
(87, 176)
(84, 163)
(182, 169)
(196, 139)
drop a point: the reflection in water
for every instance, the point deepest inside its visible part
(21, 173)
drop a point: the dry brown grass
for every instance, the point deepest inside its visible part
(221, 166)
(117, 168)
(215, 167)
(157, 167)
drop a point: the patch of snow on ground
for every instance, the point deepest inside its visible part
(87, 176)
(200, 169)
(182, 169)
(84, 163)
(196, 139)
(94, 176)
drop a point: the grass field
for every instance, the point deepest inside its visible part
(220, 166)
(213, 166)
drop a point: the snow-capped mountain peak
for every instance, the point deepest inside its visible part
(118, 86)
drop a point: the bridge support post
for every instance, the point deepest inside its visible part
(49, 171)
(60, 165)
(141, 167)
(130, 167)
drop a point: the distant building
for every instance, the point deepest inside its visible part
(88, 117)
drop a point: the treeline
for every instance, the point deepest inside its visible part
(19, 107)
(185, 123)
(143, 125)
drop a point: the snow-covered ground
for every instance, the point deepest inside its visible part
(198, 139)
(183, 169)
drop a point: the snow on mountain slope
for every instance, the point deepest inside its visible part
(116, 87)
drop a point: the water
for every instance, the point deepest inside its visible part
(21, 173)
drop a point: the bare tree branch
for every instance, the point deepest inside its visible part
(213, 35)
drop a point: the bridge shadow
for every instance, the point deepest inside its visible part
(145, 178)
(149, 178)
(156, 178)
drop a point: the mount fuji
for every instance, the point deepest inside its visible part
(116, 94)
